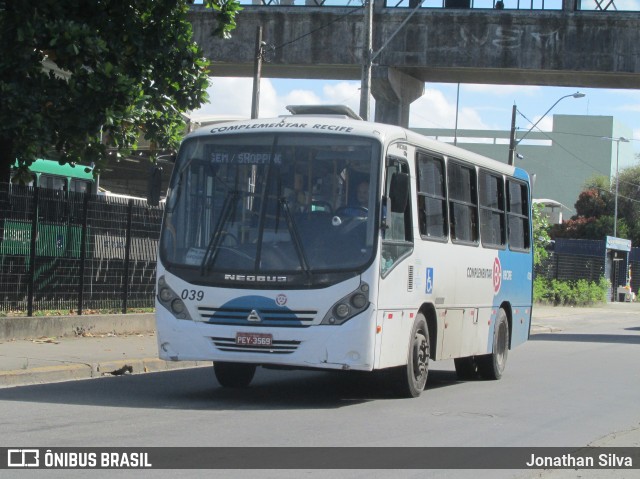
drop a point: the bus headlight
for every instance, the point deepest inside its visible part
(359, 300)
(348, 307)
(165, 294)
(178, 307)
(342, 310)
(170, 300)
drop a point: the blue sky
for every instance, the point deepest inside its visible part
(479, 107)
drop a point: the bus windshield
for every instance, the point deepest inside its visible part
(272, 207)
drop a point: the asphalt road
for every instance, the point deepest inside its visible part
(572, 386)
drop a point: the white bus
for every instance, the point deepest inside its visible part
(327, 242)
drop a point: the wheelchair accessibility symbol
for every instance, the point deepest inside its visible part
(429, 288)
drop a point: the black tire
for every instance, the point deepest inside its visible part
(466, 368)
(411, 379)
(234, 375)
(491, 366)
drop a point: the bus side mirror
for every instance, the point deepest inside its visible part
(154, 186)
(399, 192)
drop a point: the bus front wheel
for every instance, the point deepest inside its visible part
(491, 366)
(234, 375)
(411, 379)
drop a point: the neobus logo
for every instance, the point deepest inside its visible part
(256, 278)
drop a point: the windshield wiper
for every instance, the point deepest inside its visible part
(295, 235)
(211, 253)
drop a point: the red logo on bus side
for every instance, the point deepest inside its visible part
(497, 275)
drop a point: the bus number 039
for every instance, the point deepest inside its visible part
(192, 294)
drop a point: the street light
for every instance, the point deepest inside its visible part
(615, 207)
(513, 143)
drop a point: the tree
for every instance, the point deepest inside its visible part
(629, 194)
(592, 203)
(595, 209)
(540, 234)
(80, 79)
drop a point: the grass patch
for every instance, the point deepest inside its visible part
(570, 293)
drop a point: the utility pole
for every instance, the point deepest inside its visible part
(365, 85)
(369, 56)
(512, 137)
(513, 143)
(257, 72)
(455, 135)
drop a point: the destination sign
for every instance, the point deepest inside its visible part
(244, 158)
(283, 125)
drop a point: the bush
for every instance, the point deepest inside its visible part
(570, 293)
(542, 290)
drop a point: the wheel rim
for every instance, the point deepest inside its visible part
(420, 358)
(501, 345)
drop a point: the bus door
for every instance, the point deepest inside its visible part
(395, 316)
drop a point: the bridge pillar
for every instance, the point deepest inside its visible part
(394, 92)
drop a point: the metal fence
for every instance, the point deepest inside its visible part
(573, 260)
(603, 6)
(75, 252)
(568, 267)
(634, 270)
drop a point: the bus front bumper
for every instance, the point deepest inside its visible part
(349, 346)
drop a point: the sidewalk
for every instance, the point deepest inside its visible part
(103, 346)
(69, 348)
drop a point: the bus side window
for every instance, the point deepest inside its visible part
(398, 238)
(492, 210)
(463, 203)
(432, 197)
(518, 214)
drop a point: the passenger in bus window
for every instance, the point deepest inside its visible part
(298, 202)
(362, 195)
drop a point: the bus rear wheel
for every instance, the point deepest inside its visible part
(411, 379)
(491, 366)
(234, 375)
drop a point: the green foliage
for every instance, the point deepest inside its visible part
(598, 182)
(629, 198)
(540, 234)
(542, 290)
(74, 312)
(596, 228)
(227, 10)
(570, 293)
(80, 79)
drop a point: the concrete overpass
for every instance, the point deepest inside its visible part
(597, 49)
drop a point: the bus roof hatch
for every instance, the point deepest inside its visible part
(334, 110)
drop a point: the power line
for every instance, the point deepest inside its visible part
(570, 152)
(619, 195)
(578, 134)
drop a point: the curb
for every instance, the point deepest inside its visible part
(22, 327)
(72, 372)
(542, 329)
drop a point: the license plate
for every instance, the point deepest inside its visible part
(254, 339)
